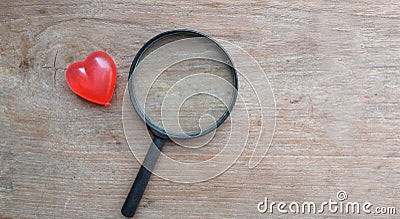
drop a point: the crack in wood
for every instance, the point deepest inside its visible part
(55, 68)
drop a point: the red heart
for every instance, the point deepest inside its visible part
(93, 79)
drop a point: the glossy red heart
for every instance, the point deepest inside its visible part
(93, 79)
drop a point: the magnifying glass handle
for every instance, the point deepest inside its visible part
(142, 178)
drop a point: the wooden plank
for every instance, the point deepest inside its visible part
(334, 70)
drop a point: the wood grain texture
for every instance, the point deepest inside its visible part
(333, 66)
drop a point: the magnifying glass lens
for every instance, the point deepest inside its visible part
(184, 85)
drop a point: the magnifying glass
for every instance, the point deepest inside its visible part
(183, 85)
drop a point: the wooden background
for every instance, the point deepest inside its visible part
(333, 66)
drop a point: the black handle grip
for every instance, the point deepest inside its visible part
(142, 178)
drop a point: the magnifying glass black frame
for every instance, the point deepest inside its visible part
(160, 135)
